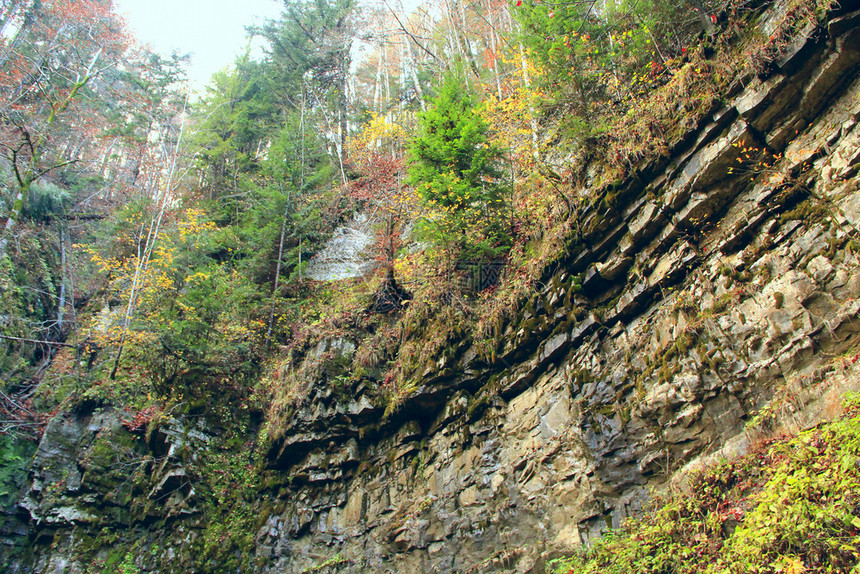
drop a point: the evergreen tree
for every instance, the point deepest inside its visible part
(455, 170)
(311, 57)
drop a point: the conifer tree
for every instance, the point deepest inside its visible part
(455, 170)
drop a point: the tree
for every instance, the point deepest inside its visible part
(311, 56)
(78, 108)
(378, 158)
(239, 120)
(455, 171)
(48, 68)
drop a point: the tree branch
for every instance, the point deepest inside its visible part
(25, 340)
(408, 33)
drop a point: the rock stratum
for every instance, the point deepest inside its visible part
(705, 299)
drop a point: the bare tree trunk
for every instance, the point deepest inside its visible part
(493, 49)
(62, 302)
(454, 35)
(12, 220)
(302, 125)
(278, 270)
(71, 280)
(377, 87)
(406, 31)
(467, 46)
(149, 246)
(337, 143)
(413, 73)
(343, 99)
(386, 77)
(29, 17)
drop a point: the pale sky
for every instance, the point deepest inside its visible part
(213, 31)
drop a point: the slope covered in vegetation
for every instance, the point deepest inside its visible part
(790, 505)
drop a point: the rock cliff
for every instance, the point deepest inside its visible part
(710, 294)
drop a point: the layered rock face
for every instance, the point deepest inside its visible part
(705, 291)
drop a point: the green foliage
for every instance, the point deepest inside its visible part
(335, 560)
(207, 324)
(15, 455)
(229, 478)
(127, 566)
(456, 171)
(267, 171)
(194, 319)
(45, 200)
(791, 505)
(595, 59)
(29, 289)
(237, 116)
(312, 43)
